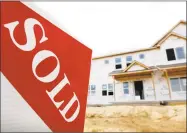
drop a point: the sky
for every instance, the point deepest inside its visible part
(112, 27)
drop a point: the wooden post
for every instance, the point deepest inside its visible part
(167, 79)
(152, 77)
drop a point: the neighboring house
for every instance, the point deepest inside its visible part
(155, 73)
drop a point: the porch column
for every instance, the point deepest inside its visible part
(152, 77)
(167, 79)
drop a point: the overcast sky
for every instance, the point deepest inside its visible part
(110, 27)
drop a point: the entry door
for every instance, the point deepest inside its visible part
(138, 89)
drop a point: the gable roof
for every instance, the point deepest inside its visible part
(166, 37)
(169, 33)
(135, 63)
(155, 46)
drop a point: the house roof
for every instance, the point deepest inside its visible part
(155, 46)
(169, 66)
(151, 68)
(169, 32)
(135, 63)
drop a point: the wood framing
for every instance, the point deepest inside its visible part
(136, 77)
(132, 72)
(169, 87)
(168, 33)
(136, 63)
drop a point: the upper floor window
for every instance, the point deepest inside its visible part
(106, 61)
(128, 60)
(170, 54)
(180, 53)
(118, 64)
(118, 60)
(141, 56)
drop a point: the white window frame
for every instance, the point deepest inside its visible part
(90, 91)
(126, 88)
(175, 52)
(131, 58)
(176, 56)
(143, 56)
(110, 90)
(107, 89)
(127, 62)
(179, 78)
(118, 63)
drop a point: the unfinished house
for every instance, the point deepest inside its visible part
(152, 74)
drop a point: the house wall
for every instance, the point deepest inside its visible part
(171, 42)
(148, 91)
(100, 71)
(181, 29)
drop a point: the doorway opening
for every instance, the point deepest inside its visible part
(138, 87)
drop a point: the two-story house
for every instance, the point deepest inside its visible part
(154, 73)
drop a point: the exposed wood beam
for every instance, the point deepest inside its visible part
(167, 79)
(128, 78)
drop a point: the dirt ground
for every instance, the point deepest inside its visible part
(136, 119)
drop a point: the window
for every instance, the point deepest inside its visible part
(118, 63)
(129, 58)
(178, 84)
(180, 53)
(107, 90)
(110, 89)
(183, 83)
(106, 61)
(92, 90)
(141, 56)
(170, 54)
(93, 87)
(104, 90)
(118, 66)
(175, 84)
(128, 64)
(126, 88)
(118, 60)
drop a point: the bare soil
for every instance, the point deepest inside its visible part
(136, 119)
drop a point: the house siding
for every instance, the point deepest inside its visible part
(100, 73)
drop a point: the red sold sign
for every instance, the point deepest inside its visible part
(47, 67)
